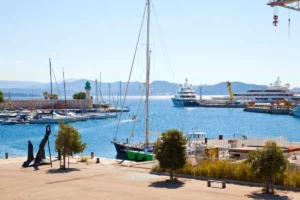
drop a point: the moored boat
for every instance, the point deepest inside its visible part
(15, 121)
(296, 112)
(145, 155)
(185, 96)
(53, 119)
(121, 147)
(98, 116)
(275, 92)
(77, 116)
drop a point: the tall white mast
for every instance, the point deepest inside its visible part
(51, 95)
(100, 93)
(97, 98)
(64, 86)
(147, 77)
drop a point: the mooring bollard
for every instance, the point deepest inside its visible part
(92, 155)
(98, 160)
(6, 155)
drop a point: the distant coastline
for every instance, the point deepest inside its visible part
(161, 88)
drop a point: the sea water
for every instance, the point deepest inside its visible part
(98, 134)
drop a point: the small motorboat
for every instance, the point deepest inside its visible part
(98, 116)
(78, 117)
(54, 119)
(15, 121)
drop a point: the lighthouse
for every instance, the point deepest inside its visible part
(87, 90)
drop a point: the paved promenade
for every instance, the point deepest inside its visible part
(111, 180)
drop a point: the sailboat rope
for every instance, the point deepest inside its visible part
(161, 37)
(125, 95)
(113, 98)
(56, 83)
(137, 114)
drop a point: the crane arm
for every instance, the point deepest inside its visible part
(289, 4)
(230, 90)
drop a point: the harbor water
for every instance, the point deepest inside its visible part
(163, 116)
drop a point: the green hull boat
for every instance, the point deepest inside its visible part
(139, 155)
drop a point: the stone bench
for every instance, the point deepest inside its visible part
(210, 181)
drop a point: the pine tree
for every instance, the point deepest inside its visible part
(267, 163)
(68, 141)
(170, 151)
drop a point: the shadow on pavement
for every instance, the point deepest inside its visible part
(61, 171)
(167, 184)
(268, 196)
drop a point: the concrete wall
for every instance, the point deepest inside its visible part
(39, 104)
(281, 141)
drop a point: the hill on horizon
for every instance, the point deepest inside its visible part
(135, 88)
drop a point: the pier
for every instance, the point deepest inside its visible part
(221, 104)
(270, 110)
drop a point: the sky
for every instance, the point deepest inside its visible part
(205, 41)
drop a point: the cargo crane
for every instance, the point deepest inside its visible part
(289, 4)
(230, 91)
(232, 100)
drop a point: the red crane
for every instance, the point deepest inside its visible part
(289, 4)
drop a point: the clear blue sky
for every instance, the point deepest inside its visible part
(207, 41)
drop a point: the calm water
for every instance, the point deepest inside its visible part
(163, 116)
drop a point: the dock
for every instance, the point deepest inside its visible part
(221, 104)
(279, 111)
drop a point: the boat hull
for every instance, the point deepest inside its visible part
(98, 117)
(296, 114)
(121, 147)
(185, 103)
(49, 121)
(13, 123)
(138, 156)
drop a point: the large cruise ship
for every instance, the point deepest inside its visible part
(275, 92)
(185, 96)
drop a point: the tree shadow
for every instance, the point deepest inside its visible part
(267, 196)
(167, 184)
(62, 171)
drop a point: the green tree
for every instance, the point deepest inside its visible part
(267, 163)
(79, 95)
(1, 97)
(170, 151)
(46, 95)
(68, 141)
(55, 96)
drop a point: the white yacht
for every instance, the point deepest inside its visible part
(185, 96)
(54, 119)
(273, 93)
(77, 116)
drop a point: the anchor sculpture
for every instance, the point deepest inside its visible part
(40, 158)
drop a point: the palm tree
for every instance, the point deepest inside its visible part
(55, 96)
(46, 95)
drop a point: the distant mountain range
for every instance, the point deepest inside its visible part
(28, 88)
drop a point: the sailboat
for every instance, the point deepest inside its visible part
(54, 118)
(139, 151)
(119, 109)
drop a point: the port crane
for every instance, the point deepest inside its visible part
(289, 4)
(230, 91)
(231, 98)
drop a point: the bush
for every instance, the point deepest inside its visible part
(234, 171)
(84, 159)
(292, 179)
